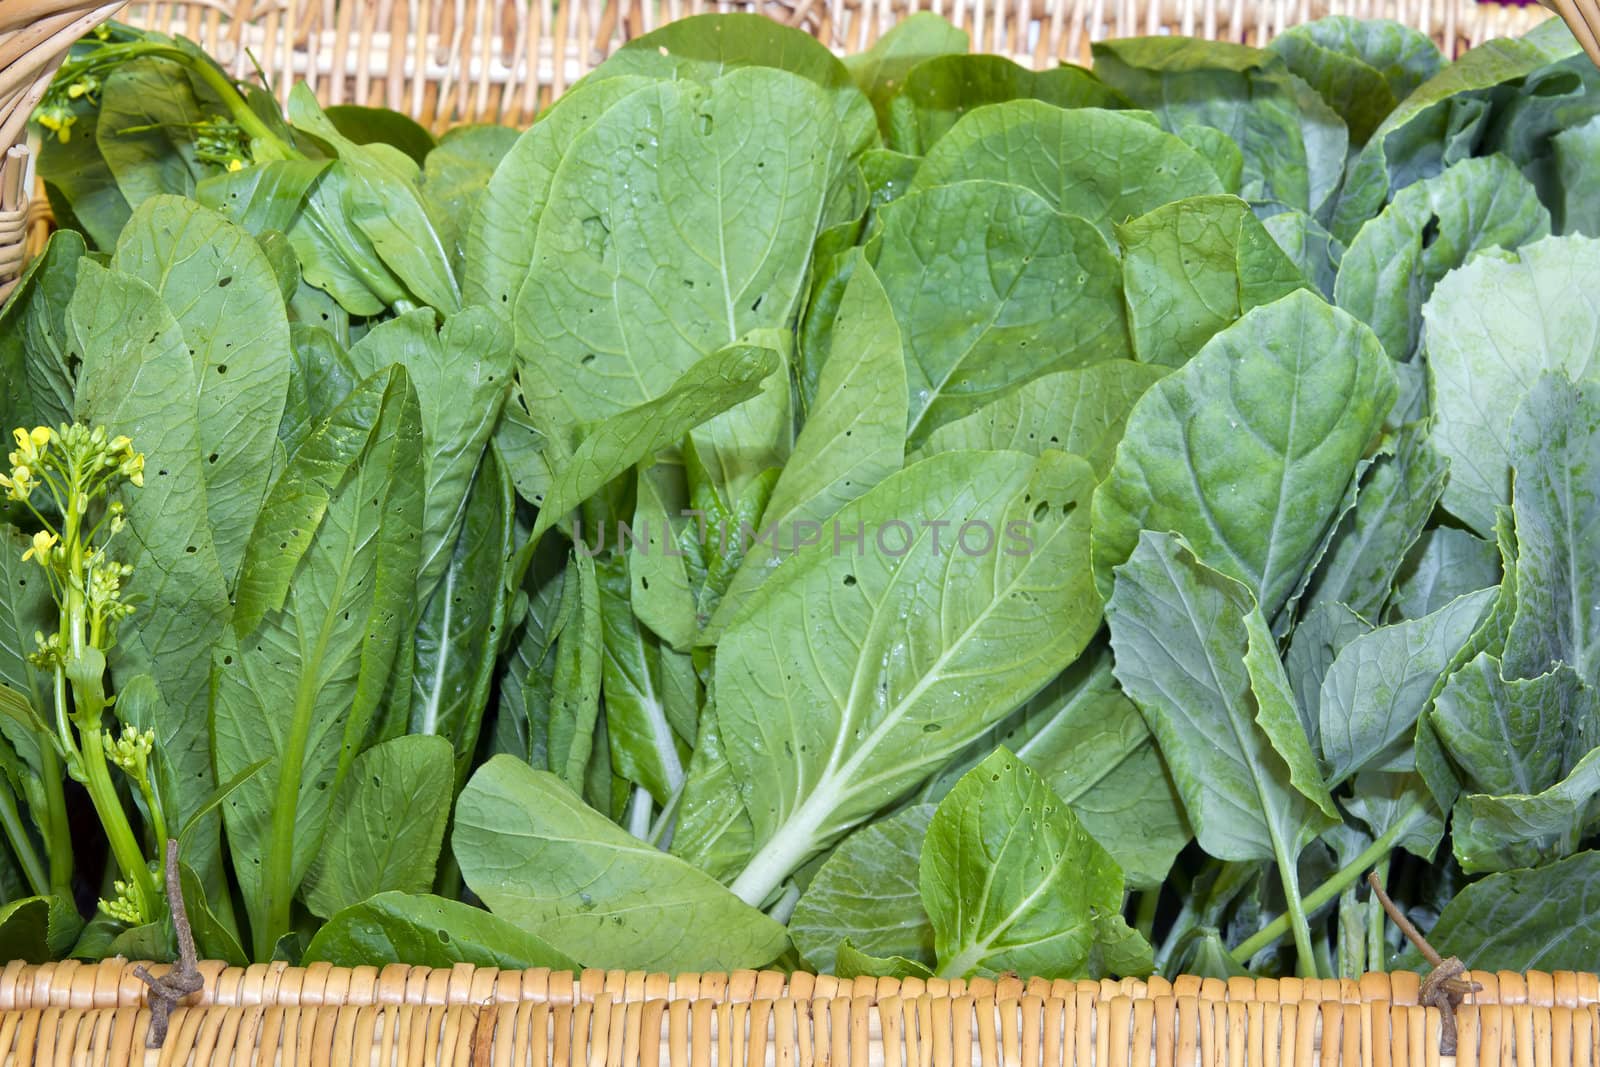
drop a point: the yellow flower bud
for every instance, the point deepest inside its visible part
(43, 542)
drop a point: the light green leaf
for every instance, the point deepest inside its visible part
(702, 48)
(1484, 357)
(303, 677)
(1078, 411)
(427, 931)
(1092, 747)
(1394, 501)
(462, 374)
(1534, 920)
(1101, 165)
(1249, 449)
(539, 857)
(865, 895)
(1398, 803)
(1013, 882)
(35, 366)
(1362, 68)
(882, 70)
(1428, 230)
(214, 940)
(148, 107)
(498, 245)
(938, 91)
(1447, 562)
(1577, 209)
(647, 687)
(853, 438)
(454, 176)
(386, 825)
(574, 699)
(620, 441)
(1515, 736)
(827, 724)
(1438, 123)
(974, 274)
(459, 636)
(678, 245)
(261, 198)
(662, 593)
(320, 377)
(1191, 268)
(1311, 247)
(1319, 636)
(1555, 451)
(751, 440)
(1381, 681)
(854, 963)
(1293, 144)
(381, 200)
(221, 289)
(1500, 833)
(714, 832)
(1193, 651)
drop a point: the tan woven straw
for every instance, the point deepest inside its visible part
(71, 1014)
(445, 62)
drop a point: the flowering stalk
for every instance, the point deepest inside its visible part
(228, 141)
(75, 469)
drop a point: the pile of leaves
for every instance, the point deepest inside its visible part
(901, 515)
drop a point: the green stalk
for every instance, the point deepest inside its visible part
(219, 83)
(124, 845)
(53, 822)
(1325, 892)
(1289, 872)
(1377, 946)
(88, 715)
(21, 844)
(1144, 918)
(277, 888)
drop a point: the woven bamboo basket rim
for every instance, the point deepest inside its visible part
(446, 62)
(1004, 1027)
(112, 983)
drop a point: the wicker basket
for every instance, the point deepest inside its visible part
(451, 61)
(67, 1013)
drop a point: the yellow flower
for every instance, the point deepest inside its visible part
(133, 469)
(21, 482)
(28, 445)
(43, 542)
(235, 165)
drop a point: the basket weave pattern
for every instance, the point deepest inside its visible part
(406, 1015)
(451, 61)
(446, 62)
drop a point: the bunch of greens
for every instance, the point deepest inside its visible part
(900, 515)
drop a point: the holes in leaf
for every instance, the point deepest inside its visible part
(849, 580)
(225, 281)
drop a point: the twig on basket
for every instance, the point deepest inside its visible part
(1443, 987)
(184, 978)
